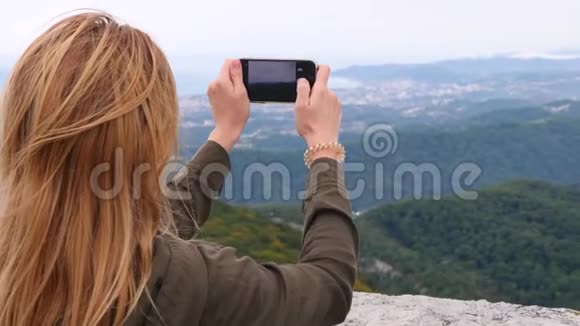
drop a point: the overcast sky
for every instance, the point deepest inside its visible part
(339, 32)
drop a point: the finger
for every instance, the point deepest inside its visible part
(302, 93)
(236, 74)
(322, 76)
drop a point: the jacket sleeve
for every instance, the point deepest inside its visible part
(194, 188)
(315, 291)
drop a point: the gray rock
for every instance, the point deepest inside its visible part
(408, 310)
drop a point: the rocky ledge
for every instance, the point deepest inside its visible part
(408, 310)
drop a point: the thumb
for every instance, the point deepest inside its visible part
(302, 93)
(236, 74)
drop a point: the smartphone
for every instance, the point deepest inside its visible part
(274, 80)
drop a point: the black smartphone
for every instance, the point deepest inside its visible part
(274, 80)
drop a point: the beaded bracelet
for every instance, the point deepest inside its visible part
(340, 152)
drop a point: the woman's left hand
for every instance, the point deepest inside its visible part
(230, 104)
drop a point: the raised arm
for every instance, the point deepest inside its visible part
(195, 187)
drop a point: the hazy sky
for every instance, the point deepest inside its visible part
(340, 32)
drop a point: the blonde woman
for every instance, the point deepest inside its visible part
(89, 89)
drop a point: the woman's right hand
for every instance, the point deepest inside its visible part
(230, 104)
(318, 113)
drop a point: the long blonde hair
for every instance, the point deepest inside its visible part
(76, 236)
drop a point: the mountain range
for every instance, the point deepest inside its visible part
(464, 69)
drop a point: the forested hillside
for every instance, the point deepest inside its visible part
(518, 242)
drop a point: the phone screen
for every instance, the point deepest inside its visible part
(270, 80)
(271, 72)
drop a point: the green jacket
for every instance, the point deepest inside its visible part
(195, 282)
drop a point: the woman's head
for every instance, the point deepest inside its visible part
(88, 120)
